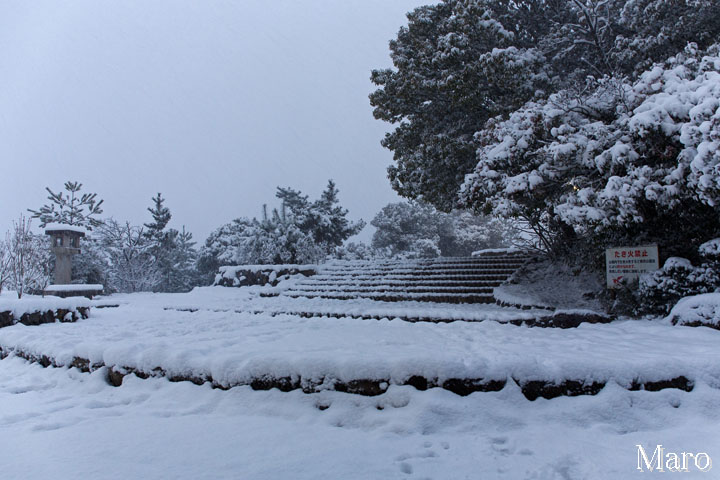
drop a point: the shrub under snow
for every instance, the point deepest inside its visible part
(679, 278)
(698, 310)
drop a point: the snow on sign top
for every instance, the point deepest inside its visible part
(63, 227)
(628, 263)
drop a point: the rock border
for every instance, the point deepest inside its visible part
(560, 319)
(531, 389)
(64, 315)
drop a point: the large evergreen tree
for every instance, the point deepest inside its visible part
(625, 162)
(547, 110)
(462, 62)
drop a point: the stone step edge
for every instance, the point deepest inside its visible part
(449, 298)
(457, 266)
(401, 283)
(415, 271)
(410, 277)
(531, 389)
(39, 317)
(559, 319)
(388, 289)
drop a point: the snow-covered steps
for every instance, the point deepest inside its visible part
(288, 352)
(381, 296)
(443, 280)
(402, 283)
(439, 288)
(417, 278)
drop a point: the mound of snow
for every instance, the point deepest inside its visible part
(698, 310)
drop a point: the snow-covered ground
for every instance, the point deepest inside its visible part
(61, 423)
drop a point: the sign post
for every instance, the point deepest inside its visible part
(628, 263)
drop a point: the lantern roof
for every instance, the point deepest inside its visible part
(64, 227)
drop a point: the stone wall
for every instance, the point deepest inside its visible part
(8, 318)
(248, 275)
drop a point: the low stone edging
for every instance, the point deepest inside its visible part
(65, 315)
(559, 319)
(532, 390)
(697, 323)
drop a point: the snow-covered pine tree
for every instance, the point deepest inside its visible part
(162, 243)
(299, 232)
(296, 206)
(161, 215)
(624, 162)
(459, 63)
(456, 65)
(185, 275)
(528, 98)
(329, 224)
(70, 207)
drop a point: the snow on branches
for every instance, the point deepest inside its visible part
(598, 159)
(70, 208)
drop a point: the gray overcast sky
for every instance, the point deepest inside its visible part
(212, 103)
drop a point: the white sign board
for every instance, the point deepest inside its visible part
(628, 263)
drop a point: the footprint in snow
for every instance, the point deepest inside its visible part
(44, 427)
(426, 453)
(501, 445)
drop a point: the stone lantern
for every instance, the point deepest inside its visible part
(65, 244)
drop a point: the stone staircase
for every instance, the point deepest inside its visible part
(442, 280)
